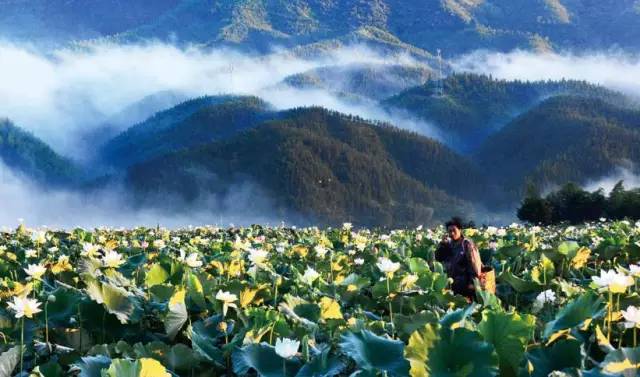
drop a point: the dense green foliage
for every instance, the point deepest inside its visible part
(575, 205)
(191, 123)
(564, 139)
(325, 165)
(474, 107)
(366, 80)
(32, 157)
(208, 301)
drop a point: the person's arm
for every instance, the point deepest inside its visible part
(442, 252)
(474, 258)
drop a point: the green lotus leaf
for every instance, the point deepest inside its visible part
(91, 366)
(50, 369)
(586, 307)
(204, 335)
(9, 360)
(375, 353)
(518, 284)
(177, 315)
(322, 365)
(156, 275)
(264, 360)
(623, 362)
(435, 351)
(118, 301)
(509, 333)
(563, 354)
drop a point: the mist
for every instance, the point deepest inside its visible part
(613, 69)
(25, 201)
(629, 178)
(64, 95)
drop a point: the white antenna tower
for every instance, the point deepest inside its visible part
(439, 76)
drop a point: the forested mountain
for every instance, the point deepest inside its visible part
(372, 81)
(21, 151)
(193, 122)
(324, 165)
(456, 26)
(563, 139)
(471, 107)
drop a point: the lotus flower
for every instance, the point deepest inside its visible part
(387, 266)
(24, 307)
(112, 259)
(35, 270)
(547, 296)
(310, 275)
(258, 256)
(287, 348)
(615, 282)
(227, 299)
(632, 317)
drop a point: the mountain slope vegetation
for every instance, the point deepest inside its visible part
(324, 165)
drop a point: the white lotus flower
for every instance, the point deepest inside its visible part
(227, 299)
(258, 256)
(112, 259)
(632, 317)
(89, 249)
(387, 266)
(24, 307)
(491, 230)
(310, 275)
(358, 261)
(501, 232)
(159, 244)
(547, 296)
(191, 260)
(287, 348)
(30, 253)
(347, 226)
(39, 236)
(321, 251)
(615, 282)
(35, 270)
(635, 270)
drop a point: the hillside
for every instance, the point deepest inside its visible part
(23, 152)
(561, 140)
(373, 81)
(323, 165)
(456, 26)
(473, 107)
(193, 122)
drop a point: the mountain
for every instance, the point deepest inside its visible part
(23, 152)
(563, 139)
(471, 107)
(455, 26)
(52, 21)
(324, 165)
(191, 123)
(372, 81)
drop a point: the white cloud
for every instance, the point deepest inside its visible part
(616, 70)
(63, 95)
(629, 178)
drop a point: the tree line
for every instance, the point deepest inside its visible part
(574, 205)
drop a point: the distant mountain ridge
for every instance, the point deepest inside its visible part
(456, 26)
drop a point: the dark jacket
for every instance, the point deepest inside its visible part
(463, 264)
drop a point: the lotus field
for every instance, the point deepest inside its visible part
(310, 302)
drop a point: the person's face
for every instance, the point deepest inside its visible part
(454, 232)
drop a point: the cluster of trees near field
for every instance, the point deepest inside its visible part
(574, 205)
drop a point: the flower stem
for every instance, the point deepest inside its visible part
(610, 316)
(21, 345)
(46, 322)
(390, 308)
(284, 367)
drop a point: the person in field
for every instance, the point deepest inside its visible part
(460, 258)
